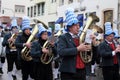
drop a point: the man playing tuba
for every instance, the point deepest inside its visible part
(72, 67)
(26, 66)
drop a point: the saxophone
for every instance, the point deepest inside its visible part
(87, 56)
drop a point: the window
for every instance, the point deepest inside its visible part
(70, 1)
(41, 8)
(28, 9)
(38, 9)
(108, 16)
(0, 5)
(34, 11)
(31, 11)
(19, 8)
(61, 2)
(53, 1)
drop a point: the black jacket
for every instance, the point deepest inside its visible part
(105, 52)
(67, 51)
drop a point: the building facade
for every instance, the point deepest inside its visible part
(53, 11)
(12, 8)
(106, 10)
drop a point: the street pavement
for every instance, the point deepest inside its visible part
(5, 76)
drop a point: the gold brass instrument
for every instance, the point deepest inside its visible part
(58, 33)
(87, 56)
(47, 58)
(25, 51)
(11, 43)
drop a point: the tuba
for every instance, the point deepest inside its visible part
(87, 56)
(25, 51)
(47, 58)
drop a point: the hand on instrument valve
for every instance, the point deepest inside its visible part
(11, 40)
(27, 45)
(83, 47)
(44, 50)
(52, 43)
(117, 49)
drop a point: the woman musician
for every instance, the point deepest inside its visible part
(42, 71)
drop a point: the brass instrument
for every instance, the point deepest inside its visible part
(47, 58)
(87, 56)
(11, 43)
(25, 51)
(58, 33)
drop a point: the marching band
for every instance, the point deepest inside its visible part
(61, 54)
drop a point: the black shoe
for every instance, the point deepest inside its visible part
(14, 77)
(1, 72)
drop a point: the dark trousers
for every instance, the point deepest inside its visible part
(27, 69)
(111, 72)
(2, 59)
(79, 75)
(11, 59)
(43, 71)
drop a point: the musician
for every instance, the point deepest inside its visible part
(2, 52)
(96, 41)
(11, 51)
(71, 67)
(42, 71)
(110, 55)
(26, 66)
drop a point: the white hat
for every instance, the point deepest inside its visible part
(14, 23)
(42, 29)
(70, 17)
(116, 33)
(108, 29)
(25, 23)
(57, 27)
(49, 31)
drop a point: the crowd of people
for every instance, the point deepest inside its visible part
(44, 54)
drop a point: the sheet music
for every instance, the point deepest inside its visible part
(87, 38)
